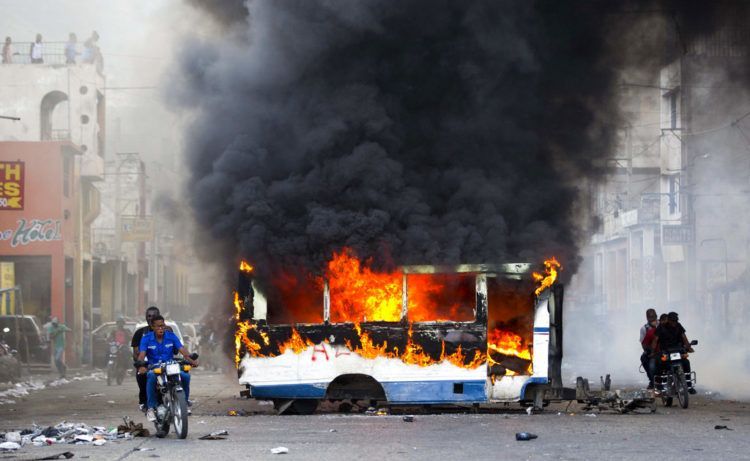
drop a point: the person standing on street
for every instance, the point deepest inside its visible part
(56, 333)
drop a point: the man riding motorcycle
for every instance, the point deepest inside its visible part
(159, 346)
(151, 312)
(671, 334)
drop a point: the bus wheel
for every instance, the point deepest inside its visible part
(305, 406)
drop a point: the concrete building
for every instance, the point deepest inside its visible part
(675, 210)
(58, 144)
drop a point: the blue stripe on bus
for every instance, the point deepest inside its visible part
(412, 392)
(426, 392)
(532, 381)
(541, 329)
(290, 391)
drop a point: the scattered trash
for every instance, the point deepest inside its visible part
(84, 438)
(144, 449)
(234, 412)
(217, 435)
(529, 410)
(93, 394)
(332, 430)
(111, 402)
(279, 450)
(201, 422)
(525, 436)
(135, 430)
(725, 428)
(13, 437)
(99, 442)
(9, 446)
(409, 418)
(590, 415)
(64, 455)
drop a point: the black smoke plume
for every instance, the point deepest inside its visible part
(414, 132)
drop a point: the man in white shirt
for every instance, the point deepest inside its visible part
(36, 51)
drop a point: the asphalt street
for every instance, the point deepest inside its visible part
(562, 433)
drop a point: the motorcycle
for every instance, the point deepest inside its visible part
(173, 407)
(10, 366)
(672, 380)
(117, 363)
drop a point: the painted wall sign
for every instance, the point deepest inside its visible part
(136, 228)
(34, 230)
(11, 185)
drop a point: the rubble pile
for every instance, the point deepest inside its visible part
(70, 433)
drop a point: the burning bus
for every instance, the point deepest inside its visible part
(466, 334)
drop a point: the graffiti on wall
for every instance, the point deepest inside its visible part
(33, 230)
(11, 185)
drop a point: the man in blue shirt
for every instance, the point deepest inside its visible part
(160, 346)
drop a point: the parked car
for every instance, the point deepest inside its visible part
(190, 336)
(31, 343)
(100, 343)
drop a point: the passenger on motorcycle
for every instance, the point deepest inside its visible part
(646, 337)
(159, 346)
(120, 334)
(671, 334)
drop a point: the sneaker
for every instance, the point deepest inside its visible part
(151, 415)
(142, 407)
(190, 412)
(189, 403)
(692, 391)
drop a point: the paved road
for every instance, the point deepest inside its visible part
(670, 433)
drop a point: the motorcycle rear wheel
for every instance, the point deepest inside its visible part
(682, 388)
(180, 415)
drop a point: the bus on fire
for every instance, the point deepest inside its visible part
(467, 334)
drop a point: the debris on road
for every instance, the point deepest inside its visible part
(279, 450)
(525, 436)
(725, 428)
(62, 433)
(64, 455)
(409, 419)
(217, 435)
(144, 449)
(234, 412)
(9, 446)
(135, 430)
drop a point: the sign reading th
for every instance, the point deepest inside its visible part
(11, 185)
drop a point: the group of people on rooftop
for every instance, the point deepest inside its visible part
(90, 53)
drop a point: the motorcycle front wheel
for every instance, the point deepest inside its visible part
(180, 415)
(682, 388)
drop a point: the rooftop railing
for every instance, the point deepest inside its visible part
(53, 53)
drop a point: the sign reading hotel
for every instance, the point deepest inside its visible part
(11, 185)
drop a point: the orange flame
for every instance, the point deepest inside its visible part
(246, 267)
(551, 267)
(358, 294)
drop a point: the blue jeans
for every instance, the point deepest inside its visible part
(61, 368)
(151, 397)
